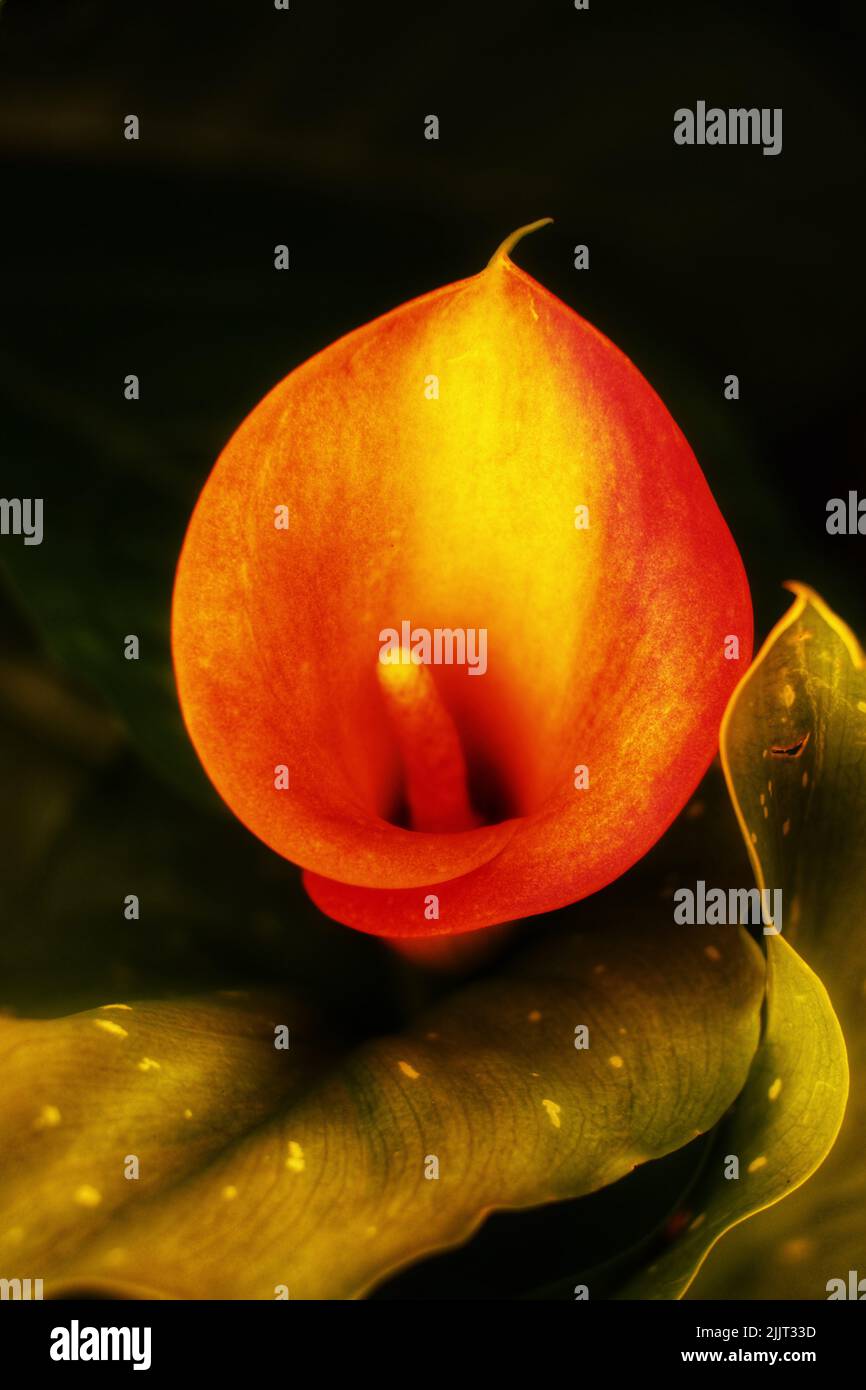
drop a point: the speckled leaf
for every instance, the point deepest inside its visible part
(256, 1174)
(792, 748)
(780, 1128)
(807, 693)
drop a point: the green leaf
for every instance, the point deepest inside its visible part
(792, 747)
(779, 1130)
(318, 1182)
(808, 687)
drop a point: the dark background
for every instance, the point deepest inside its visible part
(261, 127)
(306, 127)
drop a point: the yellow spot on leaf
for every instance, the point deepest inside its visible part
(87, 1196)
(553, 1112)
(408, 1070)
(48, 1118)
(757, 1163)
(230, 1192)
(187, 1114)
(148, 1064)
(295, 1157)
(616, 1062)
(788, 695)
(775, 1089)
(108, 1027)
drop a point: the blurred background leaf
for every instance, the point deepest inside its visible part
(86, 823)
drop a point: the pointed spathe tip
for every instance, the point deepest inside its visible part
(504, 250)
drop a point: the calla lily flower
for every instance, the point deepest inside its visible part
(481, 460)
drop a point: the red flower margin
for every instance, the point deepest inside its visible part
(609, 629)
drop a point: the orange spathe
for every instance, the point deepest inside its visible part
(451, 503)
